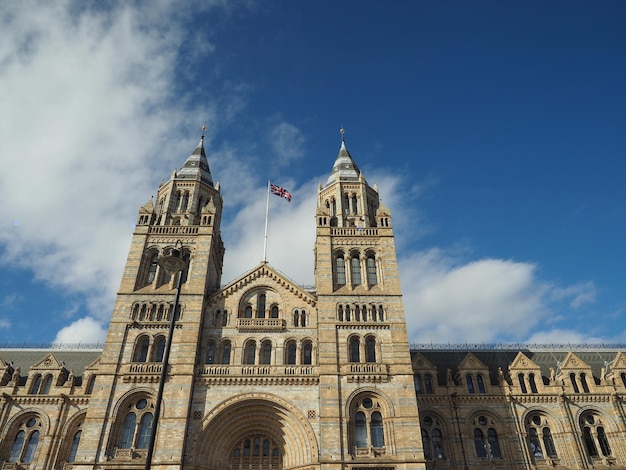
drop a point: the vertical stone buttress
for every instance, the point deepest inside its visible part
(187, 210)
(360, 300)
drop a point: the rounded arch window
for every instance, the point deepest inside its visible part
(142, 347)
(432, 438)
(26, 437)
(594, 435)
(136, 423)
(368, 429)
(486, 441)
(540, 441)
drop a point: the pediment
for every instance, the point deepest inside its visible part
(523, 362)
(94, 366)
(49, 362)
(619, 362)
(147, 208)
(264, 276)
(471, 362)
(420, 363)
(573, 362)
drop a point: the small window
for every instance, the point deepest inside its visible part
(159, 349)
(370, 349)
(470, 383)
(355, 270)
(355, 346)
(250, 353)
(341, 270)
(372, 279)
(226, 352)
(307, 353)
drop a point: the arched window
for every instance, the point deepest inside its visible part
(367, 416)
(291, 352)
(248, 312)
(381, 313)
(572, 378)
(274, 311)
(302, 318)
(583, 382)
(210, 353)
(143, 434)
(296, 318)
(623, 376)
(34, 389)
(470, 383)
(531, 381)
(261, 306)
(417, 382)
(250, 352)
(26, 440)
(47, 383)
(307, 353)
(266, 352)
(340, 270)
(428, 384)
(152, 268)
(355, 347)
(522, 382)
(486, 448)
(481, 383)
(256, 451)
(226, 347)
(139, 411)
(340, 318)
(74, 447)
(376, 430)
(370, 349)
(159, 349)
(141, 350)
(432, 439)
(372, 279)
(355, 270)
(90, 384)
(540, 437)
(594, 435)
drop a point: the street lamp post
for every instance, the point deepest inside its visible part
(173, 263)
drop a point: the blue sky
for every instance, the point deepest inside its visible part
(494, 131)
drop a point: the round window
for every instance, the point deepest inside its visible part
(141, 404)
(367, 403)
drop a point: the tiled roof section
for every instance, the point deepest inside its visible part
(196, 166)
(502, 358)
(344, 168)
(72, 359)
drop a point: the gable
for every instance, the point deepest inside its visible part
(523, 362)
(471, 362)
(573, 362)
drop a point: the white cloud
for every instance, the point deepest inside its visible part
(86, 124)
(84, 330)
(578, 294)
(564, 336)
(287, 142)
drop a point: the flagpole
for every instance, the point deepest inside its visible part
(267, 211)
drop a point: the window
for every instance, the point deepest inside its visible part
(47, 383)
(355, 349)
(533, 384)
(371, 271)
(141, 350)
(34, 389)
(481, 383)
(417, 382)
(26, 440)
(370, 349)
(583, 382)
(90, 384)
(248, 312)
(249, 352)
(152, 269)
(355, 270)
(432, 439)
(210, 353)
(428, 384)
(226, 347)
(266, 352)
(470, 383)
(522, 383)
(274, 311)
(340, 270)
(594, 435)
(159, 349)
(540, 439)
(74, 448)
(486, 441)
(367, 422)
(307, 353)
(291, 352)
(572, 378)
(302, 318)
(261, 306)
(256, 451)
(140, 410)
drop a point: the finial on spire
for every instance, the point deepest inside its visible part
(203, 130)
(342, 131)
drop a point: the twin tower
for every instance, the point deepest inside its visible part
(263, 373)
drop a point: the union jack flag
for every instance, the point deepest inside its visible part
(281, 192)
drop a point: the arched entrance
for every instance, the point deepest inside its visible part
(260, 431)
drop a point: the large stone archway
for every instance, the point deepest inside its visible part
(291, 442)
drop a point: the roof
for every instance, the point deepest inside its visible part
(196, 166)
(344, 168)
(77, 359)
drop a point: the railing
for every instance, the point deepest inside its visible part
(516, 346)
(367, 368)
(145, 368)
(129, 454)
(173, 230)
(258, 370)
(261, 324)
(354, 231)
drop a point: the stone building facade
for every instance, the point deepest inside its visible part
(267, 374)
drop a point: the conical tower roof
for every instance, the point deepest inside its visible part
(196, 166)
(344, 168)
